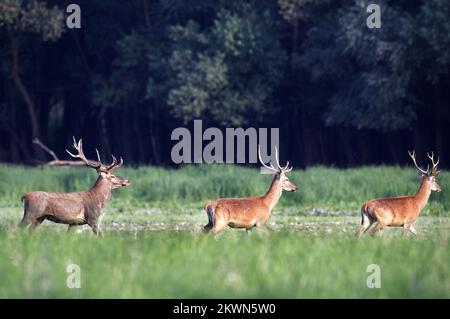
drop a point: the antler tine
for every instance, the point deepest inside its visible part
(413, 157)
(120, 163)
(276, 159)
(287, 168)
(98, 156)
(431, 157)
(270, 168)
(434, 170)
(74, 145)
(79, 148)
(115, 164)
(284, 169)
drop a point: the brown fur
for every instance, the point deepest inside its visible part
(78, 208)
(247, 212)
(400, 211)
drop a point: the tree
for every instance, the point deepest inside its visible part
(229, 70)
(19, 17)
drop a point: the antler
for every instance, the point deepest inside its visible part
(279, 169)
(79, 148)
(434, 170)
(413, 157)
(96, 165)
(270, 168)
(114, 163)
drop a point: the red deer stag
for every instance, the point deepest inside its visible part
(77, 208)
(249, 212)
(401, 211)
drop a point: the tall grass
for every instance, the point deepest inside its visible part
(191, 186)
(182, 265)
(303, 263)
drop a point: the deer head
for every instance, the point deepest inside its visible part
(279, 172)
(104, 171)
(428, 175)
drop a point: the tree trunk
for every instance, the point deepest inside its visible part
(104, 132)
(146, 9)
(31, 108)
(309, 140)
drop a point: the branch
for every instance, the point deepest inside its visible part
(56, 161)
(45, 148)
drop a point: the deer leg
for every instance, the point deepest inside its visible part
(25, 222)
(379, 227)
(37, 222)
(219, 222)
(413, 230)
(94, 224)
(96, 230)
(219, 225)
(27, 218)
(71, 228)
(406, 229)
(366, 223)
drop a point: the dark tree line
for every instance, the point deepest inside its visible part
(341, 93)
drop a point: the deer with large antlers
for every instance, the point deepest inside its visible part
(78, 208)
(401, 211)
(249, 212)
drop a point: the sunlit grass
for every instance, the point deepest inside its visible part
(153, 246)
(191, 186)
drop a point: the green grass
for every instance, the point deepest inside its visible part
(182, 265)
(153, 246)
(191, 186)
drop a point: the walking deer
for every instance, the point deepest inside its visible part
(78, 208)
(401, 211)
(249, 212)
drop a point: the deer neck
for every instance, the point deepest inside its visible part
(101, 191)
(273, 195)
(423, 193)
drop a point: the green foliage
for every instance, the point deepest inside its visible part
(227, 71)
(183, 265)
(293, 10)
(141, 68)
(32, 16)
(374, 71)
(434, 30)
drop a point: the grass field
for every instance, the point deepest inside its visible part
(153, 246)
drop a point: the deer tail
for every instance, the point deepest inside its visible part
(209, 207)
(363, 212)
(210, 213)
(206, 205)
